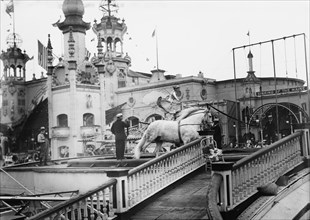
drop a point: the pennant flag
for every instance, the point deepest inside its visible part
(248, 33)
(154, 32)
(10, 8)
(42, 55)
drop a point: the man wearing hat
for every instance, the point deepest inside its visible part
(270, 131)
(42, 146)
(118, 129)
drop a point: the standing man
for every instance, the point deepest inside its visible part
(42, 146)
(270, 130)
(118, 129)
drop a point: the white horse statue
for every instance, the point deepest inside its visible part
(182, 130)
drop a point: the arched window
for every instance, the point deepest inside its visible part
(133, 121)
(62, 120)
(153, 117)
(88, 119)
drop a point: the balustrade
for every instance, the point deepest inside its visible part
(152, 176)
(240, 180)
(90, 205)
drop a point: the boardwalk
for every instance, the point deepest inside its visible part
(186, 200)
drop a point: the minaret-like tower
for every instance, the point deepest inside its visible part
(251, 85)
(110, 35)
(74, 11)
(13, 81)
(75, 94)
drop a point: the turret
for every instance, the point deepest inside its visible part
(14, 77)
(74, 11)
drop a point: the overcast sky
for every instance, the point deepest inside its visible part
(192, 35)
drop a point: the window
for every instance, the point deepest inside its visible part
(62, 120)
(88, 119)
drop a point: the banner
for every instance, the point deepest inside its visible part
(10, 8)
(42, 55)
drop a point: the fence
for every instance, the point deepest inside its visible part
(241, 179)
(127, 188)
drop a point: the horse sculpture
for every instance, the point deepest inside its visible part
(182, 130)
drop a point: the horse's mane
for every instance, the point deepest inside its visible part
(186, 112)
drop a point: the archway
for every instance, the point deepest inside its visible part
(153, 117)
(288, 115)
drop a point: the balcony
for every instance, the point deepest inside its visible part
(60, 132)
(90, 131)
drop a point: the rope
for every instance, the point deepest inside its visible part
(285, 56)
(295, 57)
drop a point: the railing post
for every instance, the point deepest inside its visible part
(225, 193)
(121, 188)
(305, 142)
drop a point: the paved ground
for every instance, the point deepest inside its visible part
(185, 201)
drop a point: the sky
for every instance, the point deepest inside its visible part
(192, 36)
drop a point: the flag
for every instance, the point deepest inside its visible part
(42, 55)
(10, 8)
(154, 32)
(248, 33)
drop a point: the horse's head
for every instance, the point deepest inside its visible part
(207, 121)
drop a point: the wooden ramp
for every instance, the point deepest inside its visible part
(184, 200)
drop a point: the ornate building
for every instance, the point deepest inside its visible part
(80, 96)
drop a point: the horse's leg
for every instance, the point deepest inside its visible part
(158, 147)
(138, 147)
(141, 146)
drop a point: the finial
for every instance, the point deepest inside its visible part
(50, 57)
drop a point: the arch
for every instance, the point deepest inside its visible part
(88, 119)
(288, 115)
(109, 44)
(62, 120)
(289, 106)
(133, 121)
(153, 117)
(117, 45)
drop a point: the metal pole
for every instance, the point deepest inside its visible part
(236, 104)
(275, 87)
(306, 66)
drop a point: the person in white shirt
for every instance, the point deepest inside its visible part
(42, 146)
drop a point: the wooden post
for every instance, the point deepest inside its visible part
(121, 188)
(225, 192)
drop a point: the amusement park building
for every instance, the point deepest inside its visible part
(79, 98)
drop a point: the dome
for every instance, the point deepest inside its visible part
(73, 7)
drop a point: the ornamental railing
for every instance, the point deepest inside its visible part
(128, 188)
(240, 180)
(95, 204)
(154, 175)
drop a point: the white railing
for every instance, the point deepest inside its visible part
(127, 188)
(152, 176)
(95, 204)
(241, 179)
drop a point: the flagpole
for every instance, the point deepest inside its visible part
(156, 49)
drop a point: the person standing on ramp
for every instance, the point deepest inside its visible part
(118, 129)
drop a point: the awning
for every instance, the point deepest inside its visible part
(112, 112)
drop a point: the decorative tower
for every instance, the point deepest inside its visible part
(74, 11)
(75, 108)
(110, 35)
(13, 83)
(251, 85)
